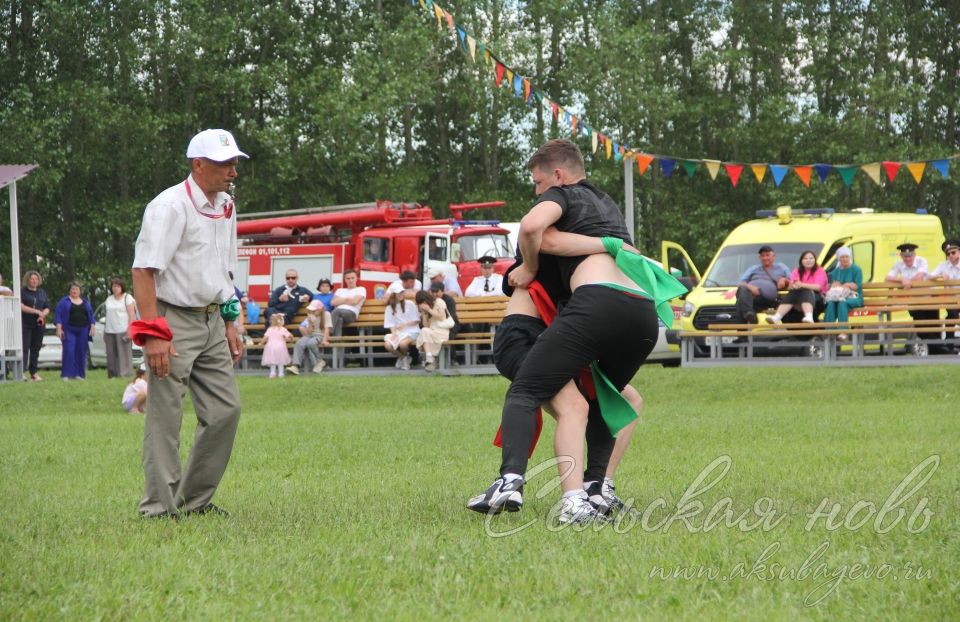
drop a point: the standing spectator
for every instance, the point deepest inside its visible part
(450, 284)
(402, 319)
(287, 299)
(325, 294)
(274, 342)
(437, 323)
(347, 302)
(120, 311)
(34, 309)
(4, 290)
(185, 251)
(808, 285)
(489, 283)
(846, 289)
(75, 325)
(760, 284)
(316, 334)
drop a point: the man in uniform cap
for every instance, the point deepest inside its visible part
(949, 270)
(185, 253)
(489, 283)
(910, 269)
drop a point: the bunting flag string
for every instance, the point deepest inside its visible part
(523, 88)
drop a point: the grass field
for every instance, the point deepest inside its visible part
(347, 502)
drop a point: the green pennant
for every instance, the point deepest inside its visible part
(846, 174)
(690, 166)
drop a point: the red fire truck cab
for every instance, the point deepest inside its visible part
(378, 240)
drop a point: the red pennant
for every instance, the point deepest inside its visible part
(556, 110)
(500, 70)
(733, 170)
(891, 169)
(803, 172)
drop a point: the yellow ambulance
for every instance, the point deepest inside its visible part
(873, 238)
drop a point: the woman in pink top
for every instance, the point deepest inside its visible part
(808, 284)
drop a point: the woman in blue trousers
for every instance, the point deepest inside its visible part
(75, 325)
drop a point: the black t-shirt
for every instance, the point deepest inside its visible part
(36, 300)
(78, 315)
(548, 275)
(587, 211)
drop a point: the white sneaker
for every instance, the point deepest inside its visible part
(320, 366)
(405, 363)
(399, 362)
(772, 319)
(577, 510)
(293, 369)
(807, 319)
(501, 495)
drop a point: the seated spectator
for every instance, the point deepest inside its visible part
(347, 302)
(325, 294)
(402, 319)
(450, 284)
(910, 269)
(4, 290)
(489, 283)
(436, 323)
(274, 342)
(408, 283)
(846, 289)
(438, 292)
(316, 334)
(949, 270)
(75, 327)
(808, 285)
(759, 286)
(287, 299)
(135, 395)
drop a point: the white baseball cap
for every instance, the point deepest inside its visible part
(395, 288)
(216, 145)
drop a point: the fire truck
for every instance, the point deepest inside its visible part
(379, 240)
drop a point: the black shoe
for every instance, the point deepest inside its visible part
(750, 318)
(603, 497)
(163, 515)
(500, 496)
(208, 509)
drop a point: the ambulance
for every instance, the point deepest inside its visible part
(872, 237)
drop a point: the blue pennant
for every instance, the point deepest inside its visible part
(779, 171)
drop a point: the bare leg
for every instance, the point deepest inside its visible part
(807, 308)
(138, 402)
(783, 309)
(623, 438)
(571, 412)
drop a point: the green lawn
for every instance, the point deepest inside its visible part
(347, 502)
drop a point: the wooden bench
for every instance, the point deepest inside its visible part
(882, 325)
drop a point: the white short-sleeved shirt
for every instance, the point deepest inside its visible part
(900, 271)
(948, 271)
(117, 318)
(409, 313)
(476, 286)
(191, 243)
(346, 292)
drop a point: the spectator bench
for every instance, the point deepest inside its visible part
(366, 344)
(873, 330)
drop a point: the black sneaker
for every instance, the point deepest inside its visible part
(500, 496)
(603, 497)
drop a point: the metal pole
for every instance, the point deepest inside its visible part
(14, 239)
(628, 198)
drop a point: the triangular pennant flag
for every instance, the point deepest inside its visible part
(759, 171)
(509, 74)
(779, 171)
(423, 5)
(690, 166)
(595, 139)
(499, 73)
(430, 5)
(518, 86)
(713, 167)
(450, 25)
(617, 152)
(846, 174)
(916, 169)
(804, 172)
(439, 13)
(472, 47)
(566, 118)
(573, 125)
(733, 171)
(891, 169)
(462, 34)
(872, 171)
(666, 167)
(556, 110)
(822, 171)
(526, 90)
(608, 144)
(942, 166)
(643, 162)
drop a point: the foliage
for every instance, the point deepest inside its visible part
(342, 102)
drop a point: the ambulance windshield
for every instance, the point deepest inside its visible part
(734, 260)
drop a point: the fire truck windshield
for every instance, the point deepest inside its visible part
(473, 247)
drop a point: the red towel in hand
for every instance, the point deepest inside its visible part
(141, 329)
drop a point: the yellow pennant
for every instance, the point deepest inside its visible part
(439, 13)
(423, 5)
(916, 169)
(713, 167)
(872, 171)
(609, 145)
(593, 136)
(472, 46)
(759, 170)
(510, 78)
(486, 57)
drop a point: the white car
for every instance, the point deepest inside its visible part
(51, 352)
(98, 349)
